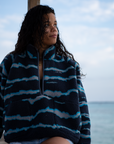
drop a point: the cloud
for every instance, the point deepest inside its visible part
(6, 44)
(2, 22)
(97, 63)
(84, 38)
(5, 34)
(88, 11)
(10, 19)
(93, 48)
(96, 58)
(8, 33)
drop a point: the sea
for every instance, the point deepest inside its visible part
(102, 122)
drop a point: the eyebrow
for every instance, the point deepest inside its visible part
(48, 21)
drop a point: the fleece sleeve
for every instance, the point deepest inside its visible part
(85, 120)
(1, 101)
(4, 69)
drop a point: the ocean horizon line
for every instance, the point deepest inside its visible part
(100, 102)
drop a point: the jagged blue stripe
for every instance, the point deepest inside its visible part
(59, 93)
(2, 87)
(58, 70)
(50, 49)
(76, 65)
(12, 57)
(23, 79)
(80, 88)
(23, 55)
(60, 102)
(86, 129)
(85, 122)
(55, 60)
(32, 101)
(21, 92)
(4, 71)
(51, 82)
(10, 131)
(8, 87)
(59, 78)
(85, 136)
(17, 65)
(85, 115)
(31, 55)
(52, 57)
(83, 103)
(62, 115)
(68, 59)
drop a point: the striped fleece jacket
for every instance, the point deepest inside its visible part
(29, 112)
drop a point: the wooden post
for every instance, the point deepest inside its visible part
(33, 3)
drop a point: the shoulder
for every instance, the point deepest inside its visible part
(65, 59)
(76, 66)
(69, 62)
(9, 58)
(73, 63)
(6, 63)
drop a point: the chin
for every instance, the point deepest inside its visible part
(54, 42)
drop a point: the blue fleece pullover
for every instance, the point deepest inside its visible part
(60, 109)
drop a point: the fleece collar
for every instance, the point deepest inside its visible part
(33, 53)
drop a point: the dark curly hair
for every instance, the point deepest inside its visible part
(33, 22)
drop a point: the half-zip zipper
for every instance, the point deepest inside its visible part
(43, 74)
(39, 75)
(41, 87)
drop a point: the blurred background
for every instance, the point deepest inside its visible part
(87, 30)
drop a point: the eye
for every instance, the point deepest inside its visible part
(46, 25)
(55, 25)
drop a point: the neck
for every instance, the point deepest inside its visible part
(41, 50)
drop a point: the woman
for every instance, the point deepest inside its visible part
(42, 99)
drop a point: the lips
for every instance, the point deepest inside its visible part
(54, 35)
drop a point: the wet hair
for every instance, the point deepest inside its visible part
(33, 22)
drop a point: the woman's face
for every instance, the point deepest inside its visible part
(51, 32)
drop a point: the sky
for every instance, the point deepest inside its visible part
(86, 29)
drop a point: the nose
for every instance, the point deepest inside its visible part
(54, 28)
